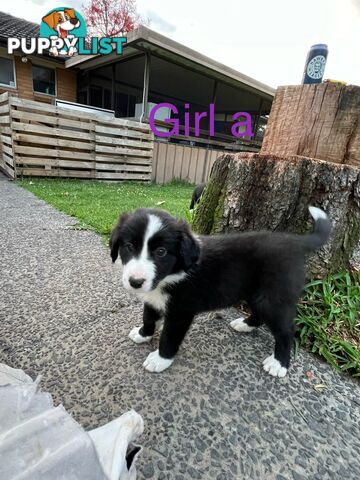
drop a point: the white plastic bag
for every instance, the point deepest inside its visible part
(39, 441)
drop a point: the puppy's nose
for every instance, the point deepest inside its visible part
(136, 282)
(74, 21)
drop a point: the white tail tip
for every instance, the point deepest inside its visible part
(317, 213)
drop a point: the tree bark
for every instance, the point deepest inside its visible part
(318, 121)
(265, 192)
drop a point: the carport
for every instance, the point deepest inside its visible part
(154, 69)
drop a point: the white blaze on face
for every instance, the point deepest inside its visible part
(142, 266)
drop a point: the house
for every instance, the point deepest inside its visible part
(201, 97)
(153, 69)
(35, 77)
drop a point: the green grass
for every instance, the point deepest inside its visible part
(98, 204)
(329, 323)
(328, 315)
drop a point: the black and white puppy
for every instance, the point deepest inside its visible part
(196, 195)
(179, 275)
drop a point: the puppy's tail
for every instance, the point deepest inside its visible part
(321, 231)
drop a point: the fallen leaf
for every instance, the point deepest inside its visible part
(161, 203)
(309, 375)
(320, 387)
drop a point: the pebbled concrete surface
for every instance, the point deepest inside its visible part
(213, 415)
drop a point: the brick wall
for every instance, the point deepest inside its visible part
(66, 83)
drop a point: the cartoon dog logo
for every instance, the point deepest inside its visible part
(62, 21)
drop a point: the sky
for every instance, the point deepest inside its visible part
(264, 39)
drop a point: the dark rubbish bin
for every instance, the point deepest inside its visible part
(315, 64)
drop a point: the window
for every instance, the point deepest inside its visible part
(7, 74)
(43, 80)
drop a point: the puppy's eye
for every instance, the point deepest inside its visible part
(160, 252)
(129, 247)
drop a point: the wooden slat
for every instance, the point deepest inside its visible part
(50, 162)
(137, 126)
(123, 141)
(7, 149)
(125, 168)
(161, 162)
(4, 108)
(122, 176)
(169, 165)
(122, 151)
(8, 159)
(6, 139)
(178, 161)
(8, 170)
(26, 127)
(199, 173)
(4, 97)
(20, 137)
(54, 172)
(186, 163)
(154, 160)
(124, 159)
(4, 119)
(123, 132)
(193, 164)
(46, 152)
(6, 130)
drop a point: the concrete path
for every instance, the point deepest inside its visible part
(213, 415)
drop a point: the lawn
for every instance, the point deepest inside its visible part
(98, 204)
(328, 315)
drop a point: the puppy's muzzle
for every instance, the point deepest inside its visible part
(74, 21)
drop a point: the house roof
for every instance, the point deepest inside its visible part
(145, 39)
(16, 27)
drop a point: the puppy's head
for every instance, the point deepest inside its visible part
(152, 246)
(62, 21)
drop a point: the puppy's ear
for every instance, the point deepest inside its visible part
(71, 12)
(50, 20)
(115, 237)
(189, 247)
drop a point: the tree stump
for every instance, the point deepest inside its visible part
(318, 121)
(250, 191)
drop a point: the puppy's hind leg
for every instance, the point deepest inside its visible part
(282, 327)
(246, 324)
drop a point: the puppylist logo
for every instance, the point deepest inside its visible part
(63, 33)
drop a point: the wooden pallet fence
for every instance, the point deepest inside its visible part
(57, 142)
(7, 164)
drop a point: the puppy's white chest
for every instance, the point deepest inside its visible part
(156, 298)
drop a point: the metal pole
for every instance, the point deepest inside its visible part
(256, 126)
(143, 116)
(113, 88)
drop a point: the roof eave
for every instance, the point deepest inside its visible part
(147, 38)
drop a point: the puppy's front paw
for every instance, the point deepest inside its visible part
(136, 337)
(155, 363)
(240, 325)
(273, 367)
